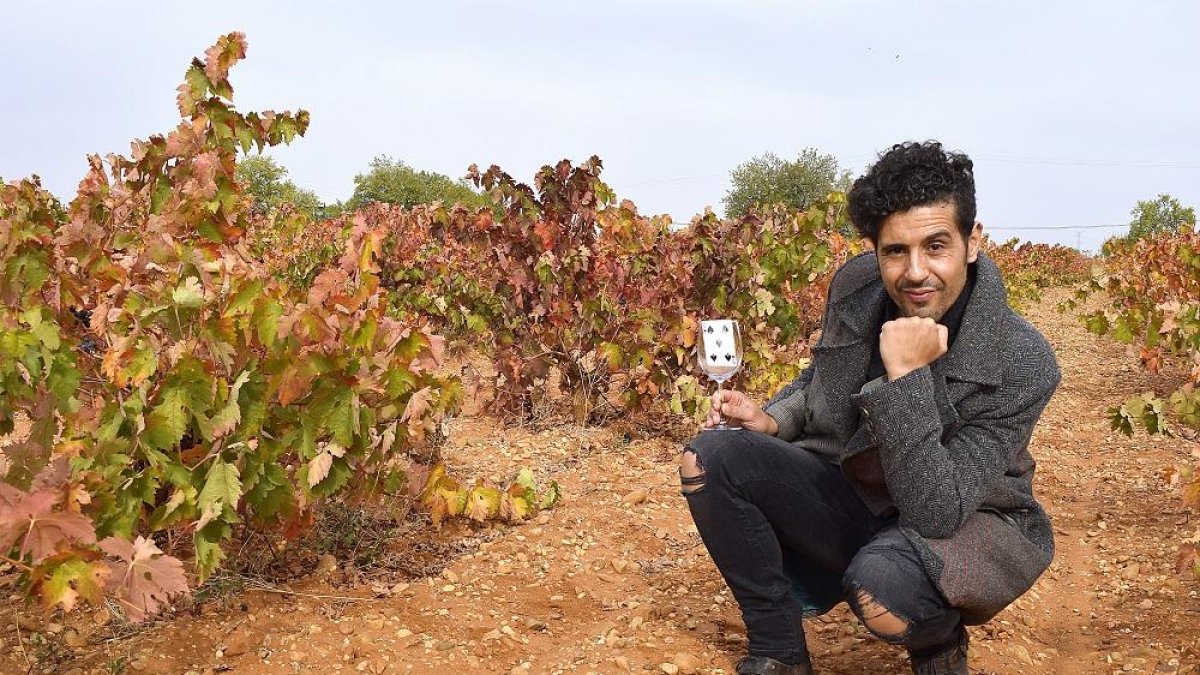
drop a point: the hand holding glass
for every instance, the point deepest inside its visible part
(719, 351)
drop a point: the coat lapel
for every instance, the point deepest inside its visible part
(975, 355)
(844, 353)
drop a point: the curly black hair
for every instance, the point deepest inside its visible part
(913, 174)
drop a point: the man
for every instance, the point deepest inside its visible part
(894, 473)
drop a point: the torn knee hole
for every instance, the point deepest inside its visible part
(878, 619)
(691, 472)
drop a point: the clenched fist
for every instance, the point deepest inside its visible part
(911, 342)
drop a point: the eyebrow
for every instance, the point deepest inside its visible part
(942, 233)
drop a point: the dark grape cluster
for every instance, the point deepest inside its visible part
(83, 316)
(88, 344)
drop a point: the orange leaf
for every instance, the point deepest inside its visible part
(294, 383)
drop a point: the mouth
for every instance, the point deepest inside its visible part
(919, 296)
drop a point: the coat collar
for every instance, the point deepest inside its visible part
(974, 356)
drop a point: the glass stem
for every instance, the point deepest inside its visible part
(720, 404)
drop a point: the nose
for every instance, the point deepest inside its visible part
(914, 270)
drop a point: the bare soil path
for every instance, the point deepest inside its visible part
(616, 580)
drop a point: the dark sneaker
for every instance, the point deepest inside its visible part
(761, 665)
(952, 661)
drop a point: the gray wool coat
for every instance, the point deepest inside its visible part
(946, 447)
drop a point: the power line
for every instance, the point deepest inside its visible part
(1055, 227)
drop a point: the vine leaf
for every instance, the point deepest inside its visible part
(66, 577)
(221, 491)
(483, 503)
(31, 521)
(417, 404)
(318, 467)
(143, 578)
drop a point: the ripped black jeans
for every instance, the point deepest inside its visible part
(780, 522)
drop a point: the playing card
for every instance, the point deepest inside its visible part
(720, 348)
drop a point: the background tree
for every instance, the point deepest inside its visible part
(394, 182)
(768, 179)
(1164, 214)
(266, 180)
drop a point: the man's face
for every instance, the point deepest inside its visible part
(923, 258)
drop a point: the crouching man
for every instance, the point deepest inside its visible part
(894, 473)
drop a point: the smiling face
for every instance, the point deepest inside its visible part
(923, 258)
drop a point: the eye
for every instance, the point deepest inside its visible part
(937, 246)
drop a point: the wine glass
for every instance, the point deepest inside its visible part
(719, 351)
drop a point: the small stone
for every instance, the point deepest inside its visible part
(668, 668)
(403, 633)
(345, 629)
(1147, 604)
(326, 564)
(687, 663)
(73, 639)
(635, 497)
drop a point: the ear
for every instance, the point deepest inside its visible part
(974, 241)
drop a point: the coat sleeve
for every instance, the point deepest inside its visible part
(936, 486)
(789, 406)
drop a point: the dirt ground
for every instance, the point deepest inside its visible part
(615, 579)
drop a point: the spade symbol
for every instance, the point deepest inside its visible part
(725, 329)
(718, 343)
(709, 330)
(712, 358)
(729, 357)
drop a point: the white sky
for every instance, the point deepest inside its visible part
(1073, 111)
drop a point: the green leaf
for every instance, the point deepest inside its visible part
(340, 420)
(196, 81)
(189, 294)
(167, 422)
(267, 323)
(1096, 323)
(222, 489)
(209, 555)
(143, 364)
(551, 496)
(244, 298)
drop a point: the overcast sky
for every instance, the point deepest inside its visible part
(1073, 111)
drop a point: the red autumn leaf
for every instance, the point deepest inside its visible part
(143, 579)
(29, 522)
(547, 233)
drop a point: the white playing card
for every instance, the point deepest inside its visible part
(719, 346)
